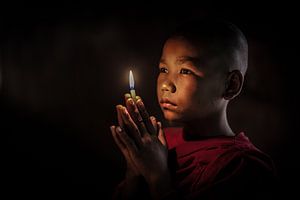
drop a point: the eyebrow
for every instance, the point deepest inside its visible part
(183, 59)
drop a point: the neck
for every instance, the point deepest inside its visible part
(215, 124)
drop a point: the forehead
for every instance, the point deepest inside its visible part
(179, 46)
(179, 50)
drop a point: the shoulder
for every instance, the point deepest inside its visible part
(247, 169)
(244, 158)
(253, 164)
(243, 173)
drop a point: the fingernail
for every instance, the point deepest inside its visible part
(130, 101)
(127, 95)
(159, 124)
(118, 129)
(112, 128)
(140, 102)
(119, 106)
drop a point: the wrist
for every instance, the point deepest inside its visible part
(129, 187)
(160, 186)
(133, 180)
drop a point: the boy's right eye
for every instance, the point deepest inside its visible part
(163, 70)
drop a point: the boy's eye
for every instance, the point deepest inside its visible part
(185, 71)
(163, 70)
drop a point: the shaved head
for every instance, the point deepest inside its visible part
(222, 41)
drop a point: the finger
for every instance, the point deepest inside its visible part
(132, 127)
(120, 120)
(117, 140)
(129, 143)
(135, 115)
(122, 146)
(154, 124)
(126, 96)
(134, 112)
(145, 116)
(137, 97)
(161, 135)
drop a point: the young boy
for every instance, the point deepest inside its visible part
(202, 68)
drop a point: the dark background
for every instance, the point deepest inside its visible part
(64, 68)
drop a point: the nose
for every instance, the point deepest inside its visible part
(168, 86)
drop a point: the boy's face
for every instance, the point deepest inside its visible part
(188, 85)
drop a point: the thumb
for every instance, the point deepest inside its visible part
(161, 135)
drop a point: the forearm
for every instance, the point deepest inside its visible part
(128, 188)
(161, 188)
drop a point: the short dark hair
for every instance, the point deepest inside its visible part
(222, 38)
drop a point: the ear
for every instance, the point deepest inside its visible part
(234, 83)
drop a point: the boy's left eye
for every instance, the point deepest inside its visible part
(185, 71)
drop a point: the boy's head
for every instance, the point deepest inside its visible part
(201, 68)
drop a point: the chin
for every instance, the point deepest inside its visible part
(172, 116)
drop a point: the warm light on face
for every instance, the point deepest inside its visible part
(131, 80)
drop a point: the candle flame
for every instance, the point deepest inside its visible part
(131, 80)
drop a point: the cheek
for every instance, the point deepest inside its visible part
(212, 89)
(158, 85)
(188, 90)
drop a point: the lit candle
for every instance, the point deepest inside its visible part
(131, 85)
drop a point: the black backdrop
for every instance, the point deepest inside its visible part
(64, 69)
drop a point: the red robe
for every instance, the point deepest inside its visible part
(218, 167)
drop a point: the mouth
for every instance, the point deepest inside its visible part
(167, 104)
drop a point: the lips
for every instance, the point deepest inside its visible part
(167, 104)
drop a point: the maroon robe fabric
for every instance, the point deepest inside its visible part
(215, 168)
(219, 167)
